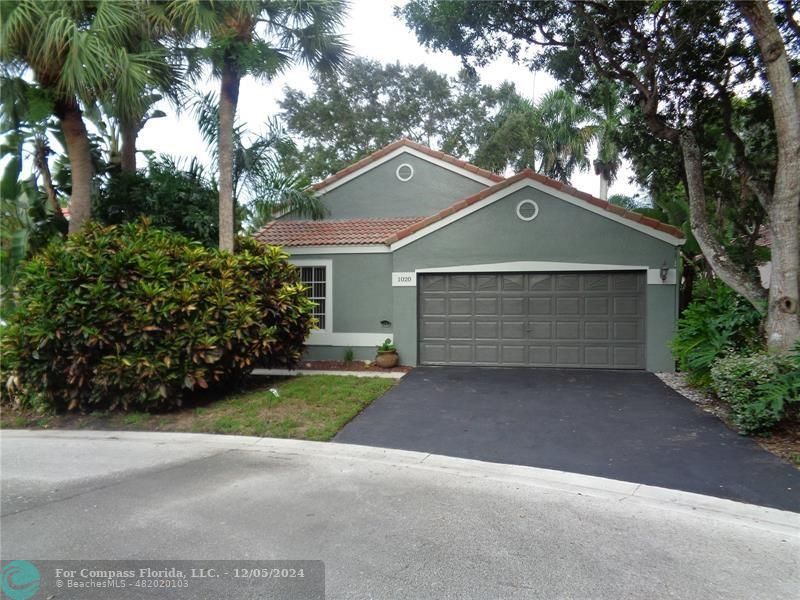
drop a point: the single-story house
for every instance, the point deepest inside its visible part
(460, 266)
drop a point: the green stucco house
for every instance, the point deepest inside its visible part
(460, 266)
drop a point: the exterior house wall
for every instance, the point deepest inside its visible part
(361, 299)
(561, 233)
(378, 192)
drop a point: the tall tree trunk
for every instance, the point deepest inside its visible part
(783, 325)
(40, 161)
(228, 99)
(603, 187)
(715, 254)
(129, 133)
(80, 161)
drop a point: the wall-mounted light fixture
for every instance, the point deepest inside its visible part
(663, 272)
(386, 324)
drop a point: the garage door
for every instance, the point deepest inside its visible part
(591, 320)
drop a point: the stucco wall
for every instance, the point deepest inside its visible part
(378, 192)
(363, 295)
(560, 233)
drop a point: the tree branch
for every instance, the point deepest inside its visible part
(733, 275)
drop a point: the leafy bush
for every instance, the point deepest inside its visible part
(185, 201)
(716, 322)
(132, 316)
(785, 388)
(743, 381)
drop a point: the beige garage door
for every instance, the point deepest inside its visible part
(590, 320)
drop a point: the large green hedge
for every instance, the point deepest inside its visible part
(132, 316)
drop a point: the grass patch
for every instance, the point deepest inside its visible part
(310, 407)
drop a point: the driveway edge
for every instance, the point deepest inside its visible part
(780, 521)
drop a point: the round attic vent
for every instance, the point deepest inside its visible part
(404, 172)
(527, 210)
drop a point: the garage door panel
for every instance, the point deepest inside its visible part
(514, 306)
(513, 354)
(568, 283)
(461, 353)
(540, 330)
(569, 305)
(593, 320)
(568, 356)
(596, 305)
(568, 330)
(432, 353)
(487, 354)
(460, 305)
(597, 356)
(459, 283)
(513, 330)
(540, 282)
(596, 330)
(461, 330)
(487, 305)
(540, 306)
(540, 355)
(433, 306)
(433, 329)
(487, 283)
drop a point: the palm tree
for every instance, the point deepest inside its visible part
(564, 131)
(259, 38)
(608, 118)
(78, 51)
(261, 182)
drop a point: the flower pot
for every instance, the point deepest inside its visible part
(387, 359)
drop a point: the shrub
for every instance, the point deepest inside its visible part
(741, 380)
(716, 322)
(183, 200)
(132, 316)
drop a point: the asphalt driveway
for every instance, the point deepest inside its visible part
(625, 425)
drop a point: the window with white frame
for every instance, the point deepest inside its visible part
(315, 278)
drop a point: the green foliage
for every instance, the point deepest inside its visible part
(742, 380)
(349, 355)
(183, 200)
(387, 346)
(716, 322)
(785, 387)
(370, 104)
(132, 316)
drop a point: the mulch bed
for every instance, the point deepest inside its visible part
(354, 365)
(783, 440)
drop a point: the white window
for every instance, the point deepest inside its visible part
(316, 278)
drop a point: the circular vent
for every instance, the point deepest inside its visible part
(527, 210)
(404, 172)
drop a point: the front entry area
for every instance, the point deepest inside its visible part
(584, 320)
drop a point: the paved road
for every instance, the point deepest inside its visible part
(388, 524)
(625, 425)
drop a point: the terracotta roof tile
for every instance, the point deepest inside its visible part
(333, 232)
(409, 144)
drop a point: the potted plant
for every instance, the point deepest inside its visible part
(387, 355)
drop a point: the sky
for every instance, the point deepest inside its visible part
(372, 31)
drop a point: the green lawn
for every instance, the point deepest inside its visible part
(310, 407)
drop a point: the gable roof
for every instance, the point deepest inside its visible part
(333, 232)
(567, 192)
(404, 143)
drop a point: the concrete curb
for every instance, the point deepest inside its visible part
(296, 372)
(761, 517)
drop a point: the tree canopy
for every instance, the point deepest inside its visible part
(682, 66)
(369, 104)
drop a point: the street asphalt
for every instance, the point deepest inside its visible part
(386, 523)
(625, 425)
